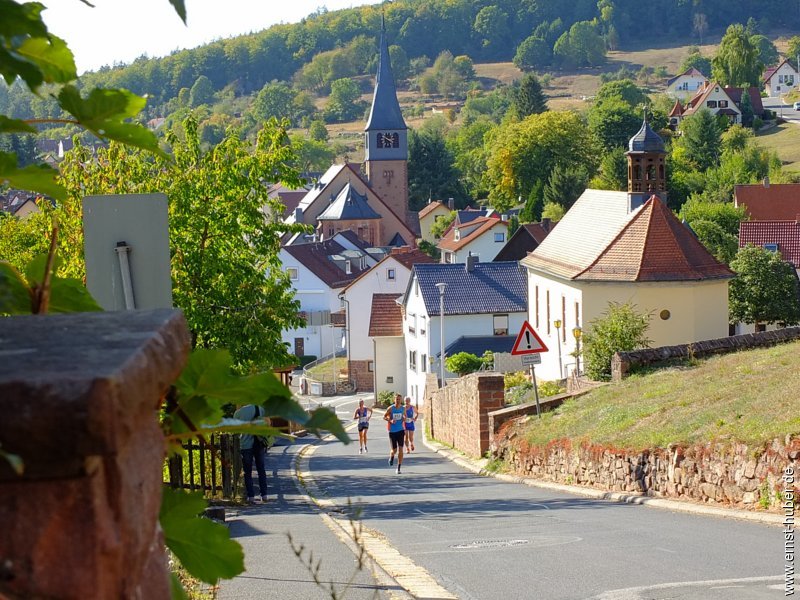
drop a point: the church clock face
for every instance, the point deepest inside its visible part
(387, 140)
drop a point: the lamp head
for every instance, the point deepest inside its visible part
(577, 332)
(557, 323)
(441, 287)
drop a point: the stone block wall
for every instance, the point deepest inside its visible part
(712, 473)
(363, 377)
(80, 403)
(623, 362)
(458, 414)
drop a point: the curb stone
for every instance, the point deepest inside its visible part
(479, 468)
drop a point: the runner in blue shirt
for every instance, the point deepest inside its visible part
(394, 416)
(410, 417)
(363, 414)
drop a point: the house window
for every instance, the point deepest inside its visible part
(423, 364)
(723, 104)
(412, 360)
(500, 324)
(664, 314)
(422, 328)
(370, 366)
(457, 235)
(412, 325)
(771, 247)
(536, 294)
(780, 78)
(499, 237)
(789, 80)
(711, 103)
(390, 379)
(416, 288)
(391, 274)
(348, 268)
(293, 273)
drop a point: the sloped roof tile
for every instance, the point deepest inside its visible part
(777, 202)
(786, 234)
(386, 316)
(476, 228)
(316, 257)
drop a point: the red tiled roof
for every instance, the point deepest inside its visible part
(735, 94)
(655, 246)
(786, 234)
(290, 200)
(777, 202)
(688, 72)
(677, 110)
(430, 207)
(772, 70)
(315, 257)
(411, 257)
(476, 227)
(539, 231)
(386, 317)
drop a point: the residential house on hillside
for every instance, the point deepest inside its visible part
(432, 212)
(372, 203)
(625, 247)
(483, 237)
(686, 84)
(781, 79)
(776, 236)
(524, 240)
(389, 277)
(318, 272)
(386, 332)
(719, 100)
(483, 302)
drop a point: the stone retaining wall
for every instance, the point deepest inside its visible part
(713, 473)
(623, 362)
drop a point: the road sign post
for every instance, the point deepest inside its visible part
(529, 346)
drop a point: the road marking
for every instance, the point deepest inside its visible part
(636, 593)
(411, 577)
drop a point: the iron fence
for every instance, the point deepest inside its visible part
(213, 467)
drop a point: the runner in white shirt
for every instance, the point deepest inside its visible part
(363, 414)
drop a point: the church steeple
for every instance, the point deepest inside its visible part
(646, 166)
(386, 138)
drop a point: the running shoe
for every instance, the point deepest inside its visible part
(398, 469)
(391, 460)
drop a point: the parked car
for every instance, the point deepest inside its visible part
(797, 105)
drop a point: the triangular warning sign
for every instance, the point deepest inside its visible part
(528, 342)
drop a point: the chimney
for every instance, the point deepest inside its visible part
(766, 182)
(545, 223)
(298, 215)
(450, 204)
(471, 261)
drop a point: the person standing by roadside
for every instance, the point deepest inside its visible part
(252, 449)
(410, 418)
(363, 414)
(394, 417)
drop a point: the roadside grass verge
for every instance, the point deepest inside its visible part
(784, 140)
(325, 371)
(750, 397)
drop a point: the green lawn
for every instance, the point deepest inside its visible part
(749, 397)
(324, 371)
(785, 141)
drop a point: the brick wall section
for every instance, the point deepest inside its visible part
(359, 372)
(623, 362)
(732, 474)
(458, 415)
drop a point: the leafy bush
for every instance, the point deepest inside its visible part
(511, 380)
(463, 363)
(519, 394)
(550, 388)
(620, 328)
(384, 398)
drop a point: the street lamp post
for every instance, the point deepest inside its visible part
(577, 332)
(557, 325)
(442, 286)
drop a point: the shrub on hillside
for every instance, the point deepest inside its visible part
(514, 379)
(463, 363)
(620, 328)
(384, 398)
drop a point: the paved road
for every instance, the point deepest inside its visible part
(787, 111)
(273, 571)
(484, 539)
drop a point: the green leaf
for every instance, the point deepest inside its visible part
(34, 270)
(13, 460)
(20, 22)
(104, 112)
(203, 547)
(325, 418)
(176, 588)
(15, 296)
(15, 126)
(52, 56)
(180, 8)
(66, 295)
(34, 178)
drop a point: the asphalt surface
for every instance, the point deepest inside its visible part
(482, 538)
(272, 568)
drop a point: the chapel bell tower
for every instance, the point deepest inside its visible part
(647, 174)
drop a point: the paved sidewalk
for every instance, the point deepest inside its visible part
(272, 569)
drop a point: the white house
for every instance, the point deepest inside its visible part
(615, 247)
(430, 213)
(388, 278)
(386, 333)
(318, 271)
(781, 79)
(719, 100)
(483, 237)
(686, 84)
(484, 305)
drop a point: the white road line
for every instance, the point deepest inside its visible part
(636, 593)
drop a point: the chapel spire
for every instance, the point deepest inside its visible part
(385, 112)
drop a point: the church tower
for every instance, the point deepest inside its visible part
(386, 139)
(647, 174)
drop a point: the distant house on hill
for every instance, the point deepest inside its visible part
(686, 84)
(719, 100)
(430, 213)
(781, 79)
(482, 237)
(625, 247)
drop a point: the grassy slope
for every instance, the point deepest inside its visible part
(785, 141)
(751, 397)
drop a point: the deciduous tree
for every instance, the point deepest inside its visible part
(737, 60)
(765, 289)
(527, 97)
(622, 327)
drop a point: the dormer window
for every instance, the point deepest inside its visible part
(457, 234)
(771, 247)
(391, 274)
